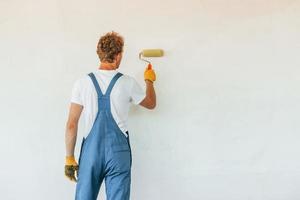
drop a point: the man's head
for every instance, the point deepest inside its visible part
(110, 49)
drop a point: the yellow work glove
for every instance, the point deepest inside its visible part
(149, 74)
(71, 168)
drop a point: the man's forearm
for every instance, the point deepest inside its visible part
(70, 138)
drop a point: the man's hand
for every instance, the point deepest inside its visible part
(71, 168)
(150, 100)
(149, 74)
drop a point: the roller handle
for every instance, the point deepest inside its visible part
(149, 66)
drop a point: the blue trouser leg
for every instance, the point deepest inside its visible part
(118, 186)
(90, 174)
(118, 176)
(88, 183)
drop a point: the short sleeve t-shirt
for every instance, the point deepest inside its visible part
(125, 92)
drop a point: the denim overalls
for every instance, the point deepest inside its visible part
(105, 154)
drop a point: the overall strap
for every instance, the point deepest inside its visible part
(95, 82)
(112, 83)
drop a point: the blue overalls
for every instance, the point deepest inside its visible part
(105, 154)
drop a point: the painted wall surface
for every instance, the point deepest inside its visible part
(227, 120)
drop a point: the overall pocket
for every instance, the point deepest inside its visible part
(121, 158)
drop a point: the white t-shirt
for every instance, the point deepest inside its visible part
(125, 91)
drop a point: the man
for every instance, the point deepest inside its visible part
(105, 96)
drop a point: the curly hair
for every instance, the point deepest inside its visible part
(109, 46)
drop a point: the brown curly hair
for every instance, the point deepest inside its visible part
(109, 46)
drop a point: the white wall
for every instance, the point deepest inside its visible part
(227, 121)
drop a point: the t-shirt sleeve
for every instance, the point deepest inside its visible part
(137, 93)
(76, 96)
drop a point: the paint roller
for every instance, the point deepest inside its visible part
(150, 53)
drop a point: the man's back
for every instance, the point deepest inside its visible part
(125, 92)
